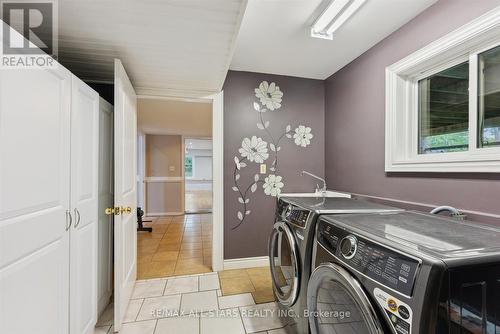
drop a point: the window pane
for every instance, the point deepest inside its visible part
(444, 111)
(188, 166)
(489, 98)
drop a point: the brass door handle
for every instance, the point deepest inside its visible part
(119, 210)
(113, 211)
(126, 210)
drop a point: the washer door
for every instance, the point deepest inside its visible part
(338, 304)
(285, 263)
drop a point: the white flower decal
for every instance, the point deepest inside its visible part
(302, 136)
(254, 149)
(272, 185)
(269, 95)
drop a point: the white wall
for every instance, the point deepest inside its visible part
(203, 168)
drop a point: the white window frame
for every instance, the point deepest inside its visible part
(402, 116)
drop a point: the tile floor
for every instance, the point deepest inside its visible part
(178, 245)
(256, 281)
(195, 304)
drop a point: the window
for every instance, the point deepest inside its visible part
(443, 103)
(443, 100)
(188, 166)
(489, 98)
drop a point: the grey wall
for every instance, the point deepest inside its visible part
(355, 111)
(303, 103)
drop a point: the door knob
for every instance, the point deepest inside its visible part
(113, 211)
(126, 210)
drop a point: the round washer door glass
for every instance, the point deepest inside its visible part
(338, 304)
(284, 259)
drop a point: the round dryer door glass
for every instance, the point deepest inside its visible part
(285, 270)
(337, 304)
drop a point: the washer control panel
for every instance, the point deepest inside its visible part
(293, 214)
(386, 266)
(349, 247)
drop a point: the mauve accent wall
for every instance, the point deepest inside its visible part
(303, 103)
(355, 114)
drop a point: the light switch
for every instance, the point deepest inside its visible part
(171, 168)
(263, 168)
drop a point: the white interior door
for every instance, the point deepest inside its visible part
(34, 200)
(84, 203)
(106, 188)
(125, 191)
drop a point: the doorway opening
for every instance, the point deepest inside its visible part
(174, 187)
(198, 188)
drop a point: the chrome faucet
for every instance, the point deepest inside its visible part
(318, 189)
(451, 210)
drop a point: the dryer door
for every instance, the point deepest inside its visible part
(337, 303)
(285, 263)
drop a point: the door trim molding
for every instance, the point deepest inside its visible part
(246, 262)
(218, 181)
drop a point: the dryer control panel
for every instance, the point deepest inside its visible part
(386, 266)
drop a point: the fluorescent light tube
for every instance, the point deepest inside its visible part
(334, 16)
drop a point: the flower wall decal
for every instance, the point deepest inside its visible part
(302, 136)
(257, 150)
(272, 185)
(254, 149)
(269, 95)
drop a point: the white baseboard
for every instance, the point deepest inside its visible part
(156, 214)
(246, 262)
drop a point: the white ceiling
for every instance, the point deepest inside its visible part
(275, 35)
(168, 47)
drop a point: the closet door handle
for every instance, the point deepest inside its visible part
(77, 215)
(69, 219)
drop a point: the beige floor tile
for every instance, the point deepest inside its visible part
(141, 327)
(191, 245)
(147, 250)
(262, 282)
(191, 266)
(144, 258)
(258, 324)
(165, 256)
(236, 285)
(199, 302)
(162, 269)
(181, 285)
(232, 301)
(259, 271)
(148, 289)
(182, 325)
(160, 227)
(191, 240)
(190, 254)
(225, 323)
(174, 239)
(209, 282)
(173, 235)
(169, 247)
(159, 307)
(233, 273)
(263, 296)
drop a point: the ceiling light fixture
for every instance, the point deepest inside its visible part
(334, 16)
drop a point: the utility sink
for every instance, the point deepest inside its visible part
(328, 193)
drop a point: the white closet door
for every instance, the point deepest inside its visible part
(125, 192)
(34, 199)
(105, 224)
(84, 204)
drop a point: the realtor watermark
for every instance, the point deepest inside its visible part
(249, 313)
(29, 34)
